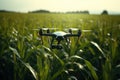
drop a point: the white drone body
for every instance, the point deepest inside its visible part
(58, 36)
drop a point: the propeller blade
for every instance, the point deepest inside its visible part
(36, 29)
(45, 29)
(74, 29)
(49, 29)
(86, 30)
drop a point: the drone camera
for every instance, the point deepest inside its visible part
(59, 38)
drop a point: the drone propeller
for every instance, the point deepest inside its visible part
(35, 29)
(72, 29)
(49, 29)
(86, 30)
(45, 29)
(76, 29)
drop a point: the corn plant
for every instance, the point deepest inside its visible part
(95, 56)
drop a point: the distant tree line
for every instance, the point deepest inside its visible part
(7, 11)
(39, 11)
(46, 11)
(79, 12)
(104, 12)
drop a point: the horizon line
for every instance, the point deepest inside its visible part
(52, 11)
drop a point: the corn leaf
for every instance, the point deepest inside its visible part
(91, 68)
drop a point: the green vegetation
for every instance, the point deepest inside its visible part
(94, 57)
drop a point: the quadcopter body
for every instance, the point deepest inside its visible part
(58, 36)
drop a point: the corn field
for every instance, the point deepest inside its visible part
(94, 57)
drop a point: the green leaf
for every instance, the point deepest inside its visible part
(57, 74)
(14, 51)
(34, 73)
(79, 65)
(76, 57)
(91, 68)
(118, 66)
(98, 47)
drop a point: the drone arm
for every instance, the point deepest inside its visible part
(40, 33)
(73, 35)
(45, 34)
(48, 34)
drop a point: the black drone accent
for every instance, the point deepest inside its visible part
(58, 36)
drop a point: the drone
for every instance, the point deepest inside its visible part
(59, 36)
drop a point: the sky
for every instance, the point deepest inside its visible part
(93, 6)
